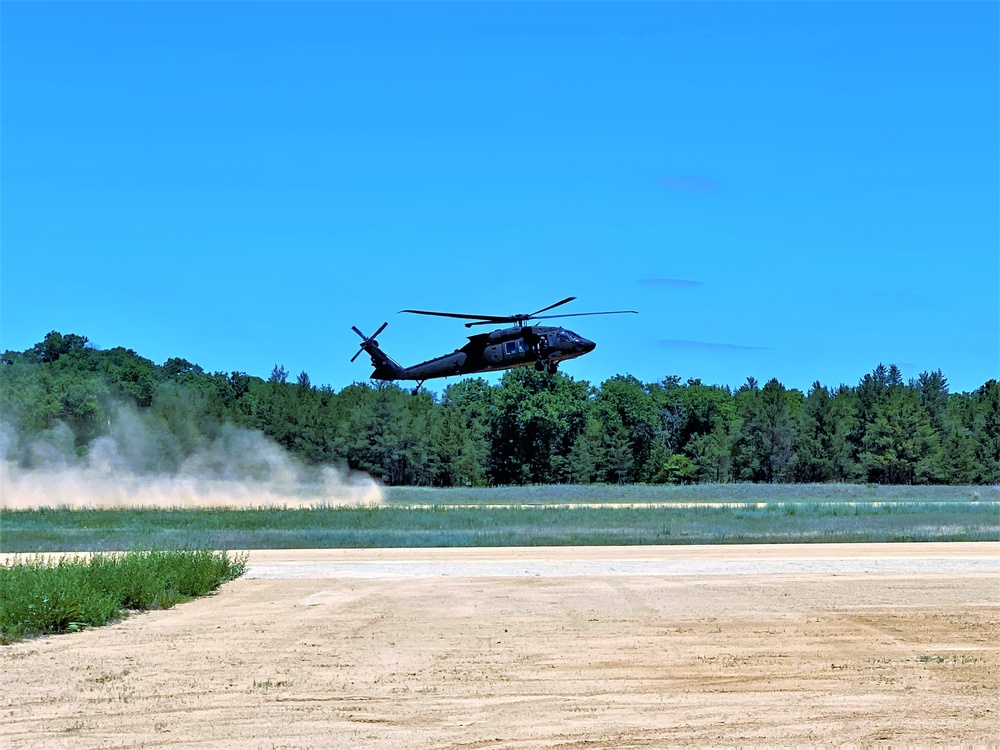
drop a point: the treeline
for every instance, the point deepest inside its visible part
(531, 428)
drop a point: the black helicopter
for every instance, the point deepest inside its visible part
(542, 346)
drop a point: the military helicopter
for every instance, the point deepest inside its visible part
(505, 348)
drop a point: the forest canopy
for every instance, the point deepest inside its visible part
(532, 427)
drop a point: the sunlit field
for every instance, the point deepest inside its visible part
(694, 493)
(39, 596)
(536, 516)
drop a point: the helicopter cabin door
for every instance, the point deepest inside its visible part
(513, 350)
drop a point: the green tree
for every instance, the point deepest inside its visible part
(631, 421)
(765, 447)
(472, 400)
(586, 462)
(54, 346)
(986, 427)
(176, 366)
(933, 387)
(537, 419)
(677, 469)
(130, 376)
(899, 445)
(712, 454)
(813, 461)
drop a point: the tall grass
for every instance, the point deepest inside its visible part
(39, 596)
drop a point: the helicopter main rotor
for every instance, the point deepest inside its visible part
(520, 318)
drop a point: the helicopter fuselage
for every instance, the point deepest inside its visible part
(542, 346)
(503, 349)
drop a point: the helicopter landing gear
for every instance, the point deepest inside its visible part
(539, 366)
(549, 367)
(416, 390)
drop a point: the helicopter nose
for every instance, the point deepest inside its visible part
(587, 345)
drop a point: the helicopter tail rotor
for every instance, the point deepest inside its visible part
(369, 341)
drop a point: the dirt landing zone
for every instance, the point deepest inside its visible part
(530, 661)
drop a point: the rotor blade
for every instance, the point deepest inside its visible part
(577, 315)
(381, 328)
(489, 322)
(484, 318)
(355, 329)
(561, 302)
(357, 355)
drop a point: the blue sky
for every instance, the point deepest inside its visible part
(791, 190)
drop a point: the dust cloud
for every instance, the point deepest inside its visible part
(142, 464)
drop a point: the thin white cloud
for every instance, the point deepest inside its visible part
(671, 283)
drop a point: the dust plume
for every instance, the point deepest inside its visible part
(142, 464)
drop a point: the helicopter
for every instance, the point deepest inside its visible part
(522, 345)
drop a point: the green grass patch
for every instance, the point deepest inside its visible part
(485, 525)
(39, 596)
(694, 493)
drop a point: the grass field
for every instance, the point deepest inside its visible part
(557, 494)
(39, 596)
(537, 516)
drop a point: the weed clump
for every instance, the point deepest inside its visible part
(39, 596)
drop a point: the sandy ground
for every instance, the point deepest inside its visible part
(532, 648)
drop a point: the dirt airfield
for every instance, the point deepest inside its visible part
(555, 648)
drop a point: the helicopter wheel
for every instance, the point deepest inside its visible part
(552, 367)
(539, 365)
